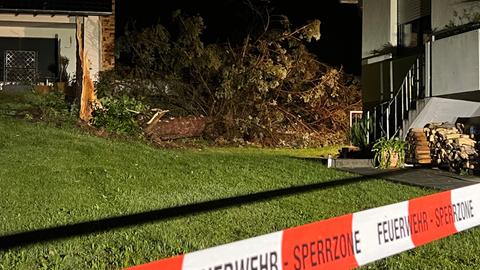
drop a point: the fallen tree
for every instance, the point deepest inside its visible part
(268, 90)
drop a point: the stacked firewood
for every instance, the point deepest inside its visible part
(418, 151)
(449, 147)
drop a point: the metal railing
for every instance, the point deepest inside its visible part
(388, 118)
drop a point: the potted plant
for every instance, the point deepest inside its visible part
(358, 137)
(389, 153)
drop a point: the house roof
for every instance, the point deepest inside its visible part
(71, 7)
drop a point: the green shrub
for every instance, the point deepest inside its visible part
(118, 114)
(385, 151)
(359, 133)
(108, 82)
(54, 100)
(51, 108)
(55, 110)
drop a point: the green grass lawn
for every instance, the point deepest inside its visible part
(51, 177)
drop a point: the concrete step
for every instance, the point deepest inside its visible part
(351, 163)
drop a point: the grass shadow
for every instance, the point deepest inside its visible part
(102, 225)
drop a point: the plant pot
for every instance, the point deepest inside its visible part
(392, 156)
(389, 153)
(42, 89)
(61, 86)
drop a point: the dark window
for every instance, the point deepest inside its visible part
(413, 35)
(30, 58)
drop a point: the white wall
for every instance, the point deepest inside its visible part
(444, 110)
(443, 12)
(379, 26)
(92, 44)
(455, 64)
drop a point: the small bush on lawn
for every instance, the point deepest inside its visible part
(359, 133)
(54, 109)
(51, 108)
(119, 114)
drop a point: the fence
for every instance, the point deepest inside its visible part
(343, 242)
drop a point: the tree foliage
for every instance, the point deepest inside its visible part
(270, 89)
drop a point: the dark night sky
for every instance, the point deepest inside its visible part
(340, 44)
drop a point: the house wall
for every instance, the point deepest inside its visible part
(108, 40)
(455, 64)
(444, 110)
(379, 26)
(445, 12)
(401, 66)
(377, 85)
(43, 26)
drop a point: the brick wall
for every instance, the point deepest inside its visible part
(108, 40)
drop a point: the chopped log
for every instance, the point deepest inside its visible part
(417, 130)
(465, 141)
(449, 146)
(452, 136)
(422, 157)
(418, 150)
(424, 161)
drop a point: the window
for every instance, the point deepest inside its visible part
(414, 34)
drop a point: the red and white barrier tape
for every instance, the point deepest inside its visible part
(343, 242)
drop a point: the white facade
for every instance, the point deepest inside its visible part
(455, 59)
(452, 12)
(439, 110)
(443, 80)
(379, 25)
(455, 64)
